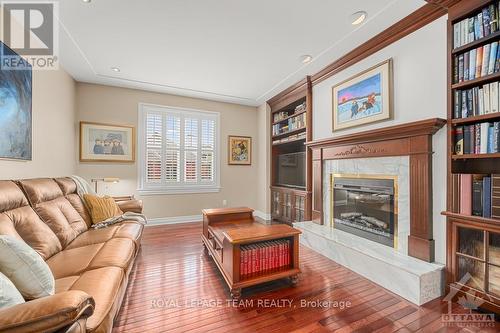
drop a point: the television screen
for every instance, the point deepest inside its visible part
(292, 170)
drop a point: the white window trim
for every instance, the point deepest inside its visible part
(160, 189)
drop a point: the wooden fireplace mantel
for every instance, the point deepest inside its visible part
(411, 139)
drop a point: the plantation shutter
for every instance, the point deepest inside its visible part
(180, 149)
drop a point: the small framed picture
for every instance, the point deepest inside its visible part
(364, 98)
(240, 150)
(106, 143)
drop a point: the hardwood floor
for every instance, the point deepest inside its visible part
(176, 287)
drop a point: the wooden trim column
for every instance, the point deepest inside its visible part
(413, 140)
(420, 240)
(317, 186)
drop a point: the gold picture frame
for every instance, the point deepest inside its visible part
(101, 142)
(364, 98)
(239, 150)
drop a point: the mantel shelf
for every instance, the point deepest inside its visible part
(422, 127)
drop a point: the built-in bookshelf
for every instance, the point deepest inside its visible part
(291, 115)
(473, 189)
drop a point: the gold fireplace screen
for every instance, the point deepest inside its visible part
(334, 176)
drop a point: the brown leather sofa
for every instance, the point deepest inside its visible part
(90, 267)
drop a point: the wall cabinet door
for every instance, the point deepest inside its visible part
(299, 208)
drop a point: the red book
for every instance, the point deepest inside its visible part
(275, 255)
(246, 260)
(280, 257)
(282, 253)
(259, 267)
(252, 260)
(243, 261)
(271, 255)
(466, 194)
(268, 255)
(288, 253)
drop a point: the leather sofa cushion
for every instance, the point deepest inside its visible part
(66, 184)
(79, 206)
(25, 224)
(116, 252)
(62, 218)
(128, 229)
(68, 187)
(40, 190)
(103, 284)
(12, 197)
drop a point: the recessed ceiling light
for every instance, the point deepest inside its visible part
(358, 17)
(305, 59)
(115, 69)
(87, 1)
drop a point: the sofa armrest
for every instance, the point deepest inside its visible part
(60, 312)
(129, 204)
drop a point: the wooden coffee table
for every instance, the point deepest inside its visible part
(248, 252)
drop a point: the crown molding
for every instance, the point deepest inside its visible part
(411, 23)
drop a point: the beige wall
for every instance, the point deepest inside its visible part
(53, 129)
(114, 105)
(264, 165)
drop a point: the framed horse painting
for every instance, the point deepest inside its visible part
(363, 99)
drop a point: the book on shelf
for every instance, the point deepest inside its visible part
(476, 63)
(476, 195)
(260, 258)
(477, 101)
(495, 196)
(476, 27)
(481, 138)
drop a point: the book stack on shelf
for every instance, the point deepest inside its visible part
(279, 116)
(476, 27)
(264, 257)
(477, 195)
(482, 138)
(293, 137)
(477, 101)
(477, 63)
(293, 123)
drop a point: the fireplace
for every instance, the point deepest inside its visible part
(366, 206)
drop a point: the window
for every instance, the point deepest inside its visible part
(178, 150)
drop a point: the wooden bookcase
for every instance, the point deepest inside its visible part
(473, 242)
(291, 204)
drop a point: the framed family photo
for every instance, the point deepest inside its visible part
(363, 99)
(106, 143)
(240, 150)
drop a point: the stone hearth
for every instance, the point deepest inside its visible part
(415, 280)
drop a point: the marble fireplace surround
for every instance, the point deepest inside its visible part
(411, 141)
(404, 151)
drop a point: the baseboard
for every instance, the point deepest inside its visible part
(262, 215)
(175, 220)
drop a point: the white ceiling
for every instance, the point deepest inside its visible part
(228, 50)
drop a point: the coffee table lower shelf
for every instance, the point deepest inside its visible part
(247, 252)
